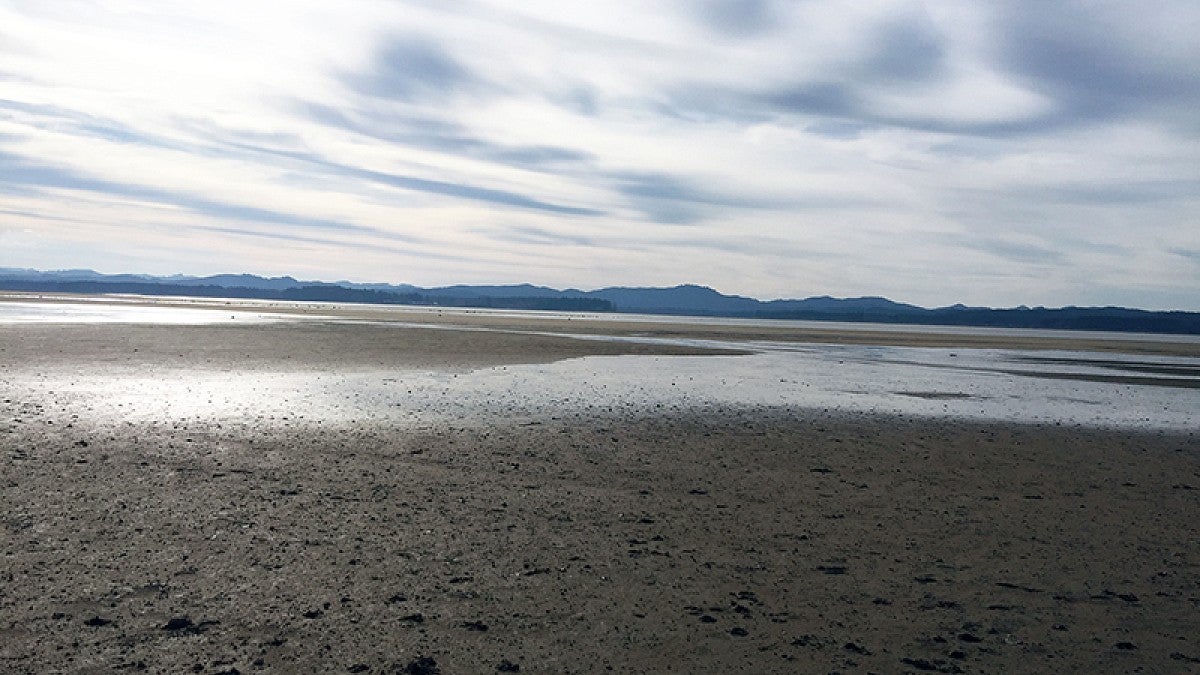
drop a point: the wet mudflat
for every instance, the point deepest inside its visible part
(323, 497)
(723, 540)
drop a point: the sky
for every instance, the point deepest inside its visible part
(990, 153)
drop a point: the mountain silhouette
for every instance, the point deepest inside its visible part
(685, 299)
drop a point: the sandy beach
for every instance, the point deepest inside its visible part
(566, 538)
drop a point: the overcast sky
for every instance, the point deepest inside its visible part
(992, 153)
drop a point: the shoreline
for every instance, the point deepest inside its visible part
(668, 327)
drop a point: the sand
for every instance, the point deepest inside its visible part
(724, 539)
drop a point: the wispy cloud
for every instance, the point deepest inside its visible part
(1033, 153)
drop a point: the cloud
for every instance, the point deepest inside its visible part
(904, 50)
(1023, 252)
(1103, 63)
(530, 234)
(441, 136)
(18, 173)
(737, 18)
(414, 68)
(1038, 153)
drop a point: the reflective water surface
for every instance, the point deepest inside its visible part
(1055, 387)
(77, 311)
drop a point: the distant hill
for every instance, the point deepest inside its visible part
(687, 299)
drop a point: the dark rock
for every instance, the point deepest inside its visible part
(424, 665)
(397, 598)
(359, 668)
(313, 614)
(738, 631)
(178, 623)
(478, 626)
(507, 666)
(1018, 587)
(831, 569)
(969, 637)
(414, 618)
(958, 654)
(856, 649)
(809, 641)
(707, 619)
(97, 621)
(1127, 646)
(919, 664)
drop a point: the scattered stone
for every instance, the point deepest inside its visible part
(424, 665)
(313, 614)
(856, 649)
(809, 641)
(178, 623)
(1018, 587)
(477, 626)
(397, 598)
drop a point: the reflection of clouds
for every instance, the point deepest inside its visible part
(110, 312)
(987, 384)
(849, 379)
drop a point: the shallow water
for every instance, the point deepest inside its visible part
(107, 312)
(849, 379)
(1054, 387)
